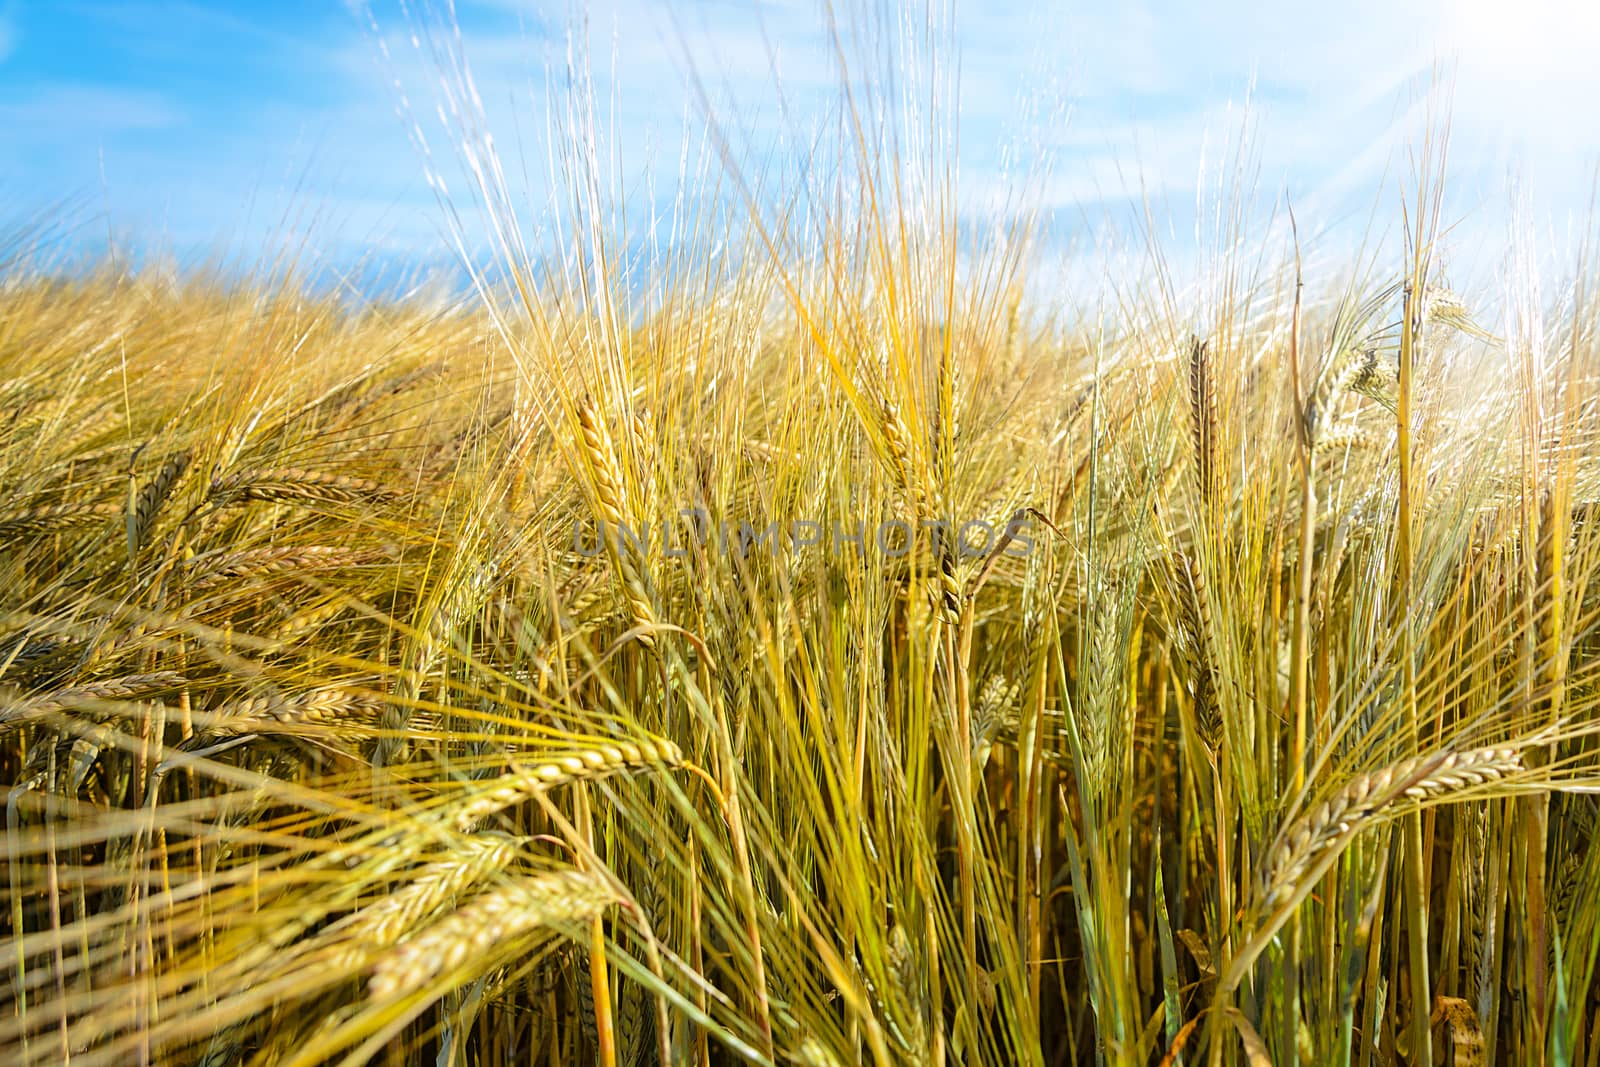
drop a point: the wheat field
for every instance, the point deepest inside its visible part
(816, 642)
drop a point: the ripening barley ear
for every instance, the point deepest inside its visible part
(33, 522)
(1377, 375)
(292, 485)
(1443, 307)
(147, 505)
(509, 789)
(610, 503)
(487, 926)
(354, 939)
(1203, 419)
(30, 709)
(1195, 601)
(1310, 841)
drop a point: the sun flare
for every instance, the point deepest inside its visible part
(1524, 48)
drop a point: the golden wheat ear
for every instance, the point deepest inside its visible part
(1306, 842)
(147, 505)
(289, 485)
(54, 518)
(391, 918)
(1203, 419)
(488, 927)
(610, 503)
(1443, 307)
(1377, 375)
(592, 763)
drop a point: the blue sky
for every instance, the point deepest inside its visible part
(218, 128)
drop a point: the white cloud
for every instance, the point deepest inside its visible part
(1094, 102)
